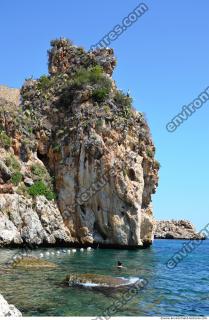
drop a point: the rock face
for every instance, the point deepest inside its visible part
(65, 58)
(78, 136)
(11, 95)
(8, 310)
(34, 221)
(176, 229)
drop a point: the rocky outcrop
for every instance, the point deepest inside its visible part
(77, 139)
(11, 95)
(8, 310)
(34, 221)
(65, 58)
(176, 229)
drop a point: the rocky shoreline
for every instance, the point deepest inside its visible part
(176, 229)
(8, 310)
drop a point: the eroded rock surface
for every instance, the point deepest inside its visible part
(97, 152)
(11, 95)
(8, 310)
(34, 221)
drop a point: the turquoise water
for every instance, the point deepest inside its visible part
(181, 291)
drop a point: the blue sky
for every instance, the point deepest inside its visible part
(163, 59)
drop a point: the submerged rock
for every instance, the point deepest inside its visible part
(176, 229)
(32, 262)
(8, 310)
(98, 281)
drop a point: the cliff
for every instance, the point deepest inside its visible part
(176, 229)
(77, 161)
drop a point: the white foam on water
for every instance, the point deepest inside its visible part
(89, 284)
(130, 281)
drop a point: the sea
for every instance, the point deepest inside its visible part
(182, 290)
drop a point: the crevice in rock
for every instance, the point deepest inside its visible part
(132, 174)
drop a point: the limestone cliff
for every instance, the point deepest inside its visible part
(77, 141)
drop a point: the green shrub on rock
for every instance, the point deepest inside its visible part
(91, 76)
(16, 178)
(94, 77)
(5, 140)
(122, 99)
(124, 102)
(15, 168)
(12, 163)
(44, 83)
(40, 173)
(100, 94)
(40, 189)
(39, 170)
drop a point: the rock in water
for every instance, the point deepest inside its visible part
(8, 310)
(176, 229)
(99, 281)
(32, 262)
(77, 127)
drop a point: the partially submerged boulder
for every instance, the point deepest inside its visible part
(99, 281)
(32, 262)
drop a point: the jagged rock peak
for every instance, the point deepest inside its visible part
(64, 57)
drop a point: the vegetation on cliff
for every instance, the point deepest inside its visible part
(70, 130)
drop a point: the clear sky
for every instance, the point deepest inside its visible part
(163, 59)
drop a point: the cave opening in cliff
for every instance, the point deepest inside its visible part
(43, 158)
